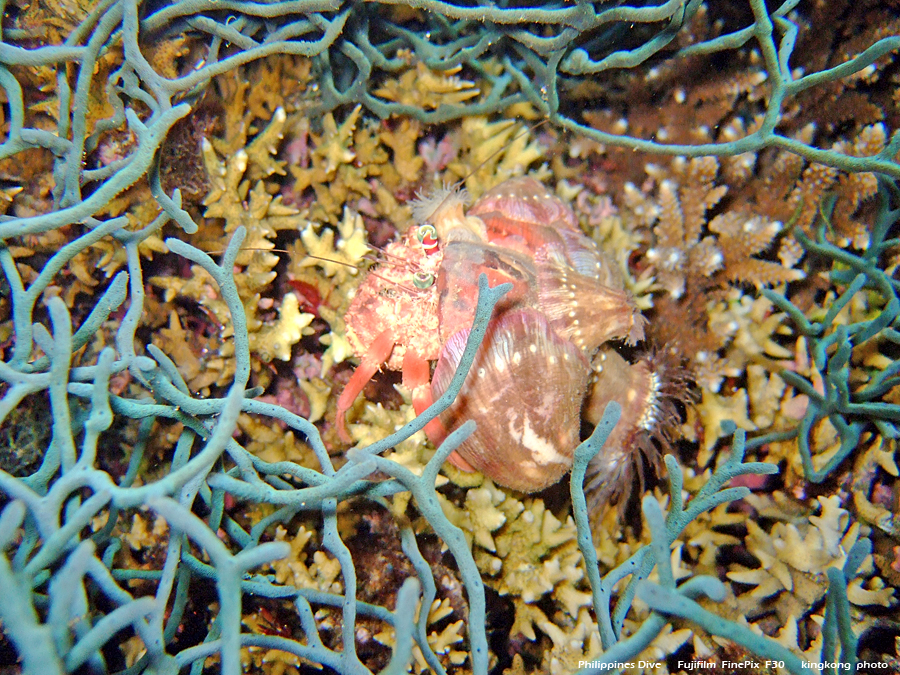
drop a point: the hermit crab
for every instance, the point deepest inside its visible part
(544, 358)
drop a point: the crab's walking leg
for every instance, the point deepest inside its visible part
(378, 353)
(456, 460)
(417, 378)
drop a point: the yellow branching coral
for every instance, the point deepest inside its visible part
(441, 642)
(764, 390)
(339, 260)
(333, 146)
(742, 330)
(272, 443)
(141, 536)
(322, 573)
(492, 152)
(529, 555)
(164, 53)
(570, 647)
(318, 392)
(274, 340)
(338, 347)
(230, 185)
(262, 150)
(480, 516)
(112, 256)
(428, 89)
(184, 350)
(269, 661)
(402, 142)
(789, 636)
(702, 539)
(880, 453)
(340, 164)
(251, 97)
(669, 641)
(232, 200)
(793, 559)
(376, 422)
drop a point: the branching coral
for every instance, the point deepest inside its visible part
(427, 89)
(532, 555)
(233, 200)
(682, 256)
(492, 152)
(696, 259)
(793, 191)
(341, 162)
(793, 563)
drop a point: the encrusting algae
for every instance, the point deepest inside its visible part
(686, 244)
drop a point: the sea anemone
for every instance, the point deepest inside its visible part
(444, 208)
(649, 391)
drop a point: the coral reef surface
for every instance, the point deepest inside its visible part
(193, 193)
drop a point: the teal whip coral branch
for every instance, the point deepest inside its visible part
(851, 410)
(355, 46)
(668, 600)
(185, 480)
(780, 76)
(639, 565)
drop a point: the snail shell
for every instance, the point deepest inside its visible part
(524, 391)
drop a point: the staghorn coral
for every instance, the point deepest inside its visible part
(683, 257)
(793, 559)
(699, 317)
(427, 89)
(237, 204)
(856, 101)
(794, 191)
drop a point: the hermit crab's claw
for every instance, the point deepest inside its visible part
(378, 353)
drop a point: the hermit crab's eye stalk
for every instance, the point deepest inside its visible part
(423, 280)
(427, 236)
